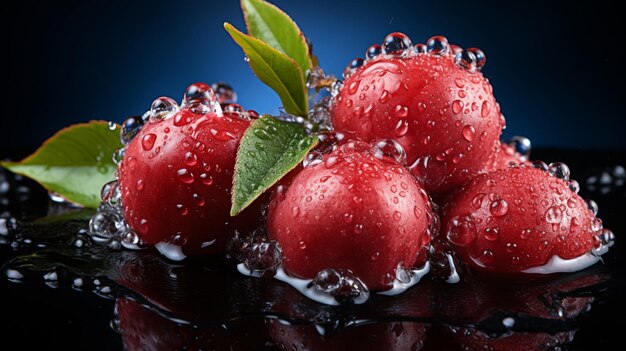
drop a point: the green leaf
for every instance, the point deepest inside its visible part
(75, 162)
(275, 69)
(269, 149)
(271, 25)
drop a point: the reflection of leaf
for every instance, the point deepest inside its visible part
(270, 24)
(276, 70)
(83, 214)
(75, 162)
(269, 149)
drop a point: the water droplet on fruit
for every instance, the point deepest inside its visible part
(468, 133)
(302, 245)
(402, 127)
(199, 98)
(520, 144)
(559, 170)
(389, 149)
(396, 45)
(206, 179)
(457, 106)
(295, 211)
(185, 176)
(191, 159)
(499, 208)
(224, 92)
(373, 51)
(461, 231)
(397, 216)
(140, 185)
(148, 140)
(481, 58)
(384, 97)
(477, 201)
(540, 165)
(554, 215)
(199, 200)
(130, 127)
(466, 59)
(491, 234)
(485, 109)
(162, 108)
(341, 284)
(592, 206)
(574, 186)
(358, 228)
(487, 257)
(352, 67)
(401, 111)
(182, 210)
(438, 45)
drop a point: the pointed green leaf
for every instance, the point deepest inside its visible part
(75, 162)
(269, 149)
(275, 69)
(271, 25)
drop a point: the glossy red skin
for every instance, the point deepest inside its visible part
(373, 99)
(394, 336)
(205, 197)
(532, 196)
(342, 213)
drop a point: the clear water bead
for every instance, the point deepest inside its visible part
(396, 44)
(386, 149)
(520, 144)
(199, 98)
(162, 108)
(130, 127)
(481, 59)
(352, 67)
(420, 48)
(373, 51)
(466, 59)
(224, 92)
(342, 284)
(559, 170)
(438, 45)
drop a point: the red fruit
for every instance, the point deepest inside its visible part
(176, 180)
(351, 211)
(518, 218)
(505, 157)
(430, 104)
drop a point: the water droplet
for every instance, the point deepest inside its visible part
(540, 165)
(373, 51)
(477, 201)
(438, 45)
(352, 67)
(520, 144)
(224, 92)
(148, 140)
(130, 127)
(302, 245)
(461, 231)
(389, 149)
(499, 208)
(396, 44)
(420, 48)
(468, 133)
(140, 185)
(384, 97)
(466, 59)
(457, 106)
(162, 108)
(199, 200)
(191, 159)
(574, 186)
(295, 211)
(487, 257)
(199, 98)
(353, 87)
(491, 234)
(185, 176)
(206, 179)
(401, 111)
(397, 216)
(481, 58)
(358, 228)
(485, 109)
(592, 206)
(554, 215)
(402, 127)
(182, 210)
(559, 170)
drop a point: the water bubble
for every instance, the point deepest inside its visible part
(420, 48)
(491, 234)
(607, 238)
(224, 92)
(312, 159)
(118, 156)
(485, 109)
(148, 140)
(455, 49)
(263, 256)
(352, 67)
(373, 51)
(130, 127)
(7, 225)
(438, 45)
(559, 170)
(520, 144)
(396, 44)
(499, 208)
(574, 186)
(162, 108)
(106, 224)
(554, 215)
(342, 284)
(592, 206)
(466, 59)
(386, 149)
(540, 165)
(185, 176)
(468, 133)
(461, 231)
(199, 98)
(481, 58)
(112, 125)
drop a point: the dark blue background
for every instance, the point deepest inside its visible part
(557, 68)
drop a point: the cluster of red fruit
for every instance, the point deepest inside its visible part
(415, 123)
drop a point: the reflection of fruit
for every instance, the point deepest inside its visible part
(376, 336)
(351, 211)
(430, 104)
(144, 329)
(176, 181)
(518, 218)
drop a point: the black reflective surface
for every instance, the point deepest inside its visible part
(59, 290)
